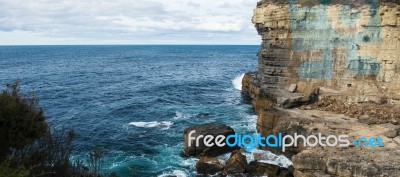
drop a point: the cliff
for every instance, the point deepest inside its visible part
(330, 68)
(353, 49)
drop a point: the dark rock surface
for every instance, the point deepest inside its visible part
(236, 164)
(263, 169)
(213, 129)
(209, 165)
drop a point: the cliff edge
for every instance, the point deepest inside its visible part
(330, 68)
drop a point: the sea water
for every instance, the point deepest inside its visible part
(135, 101)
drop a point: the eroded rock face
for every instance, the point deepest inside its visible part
(344, 60)
(369, 113)
(213, 129)
(349, 163)
(333, 160)
(352, 48)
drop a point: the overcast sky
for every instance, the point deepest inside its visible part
(25, 22)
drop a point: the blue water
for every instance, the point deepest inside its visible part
(134, 101)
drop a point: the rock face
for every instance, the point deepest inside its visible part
(213, 129)
(338, 63)
(350, 48)
(209, 165)
(263, 169)
(236, 164)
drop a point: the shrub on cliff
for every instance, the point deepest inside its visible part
(21, 120)
(28, 146)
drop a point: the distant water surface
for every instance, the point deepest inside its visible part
(135, 101)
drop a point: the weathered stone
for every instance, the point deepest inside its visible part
(247, 79)
(397, 140)
(236, 164)
(309, 46)
(333, 161)
(292, 88)
(391, 133)
(213, 129)
(322, 91)
(391, 130)
(366, 119)
(307, 161)
(209, 165)
(263, 169)
(368, 112)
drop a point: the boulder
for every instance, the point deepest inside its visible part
(213, 129)
(263, 169)
(209, 165)
(390, 130)
(397, 140)
(236, 164)
(292, 88)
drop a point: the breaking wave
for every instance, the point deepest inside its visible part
(237, 82)
(177, 173)
(152, 124)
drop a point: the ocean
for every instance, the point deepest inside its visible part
(135, 101)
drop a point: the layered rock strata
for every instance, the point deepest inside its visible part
(330, 69)
(353, 49)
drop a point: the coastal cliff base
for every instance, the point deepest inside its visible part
(325, 112)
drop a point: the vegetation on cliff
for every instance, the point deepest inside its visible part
(29, 147)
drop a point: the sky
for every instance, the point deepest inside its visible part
(69, 22)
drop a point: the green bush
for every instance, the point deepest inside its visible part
(21, 121)
(28, 147)
(7, 171)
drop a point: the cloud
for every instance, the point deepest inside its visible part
(126, 21)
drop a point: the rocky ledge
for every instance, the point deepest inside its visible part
(322, 113)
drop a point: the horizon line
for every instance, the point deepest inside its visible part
(10, 45)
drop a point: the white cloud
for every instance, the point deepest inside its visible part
(127, 21)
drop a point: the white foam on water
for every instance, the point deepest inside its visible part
(237, 82)
(270, 158)
(252, 122)
(262, 156)
(165, 124)
(177, 173)
(189, 162)
(180, 115)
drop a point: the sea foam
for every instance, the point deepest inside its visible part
(152, 124)
(177, 173)
(237, 82)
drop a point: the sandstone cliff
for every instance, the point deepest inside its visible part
(330, 68)
(353, 49)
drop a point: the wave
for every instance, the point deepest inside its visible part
(180, 115)
(270, 158)
(152, 124)
(237, 82)
(177, 173)
(262, 156)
